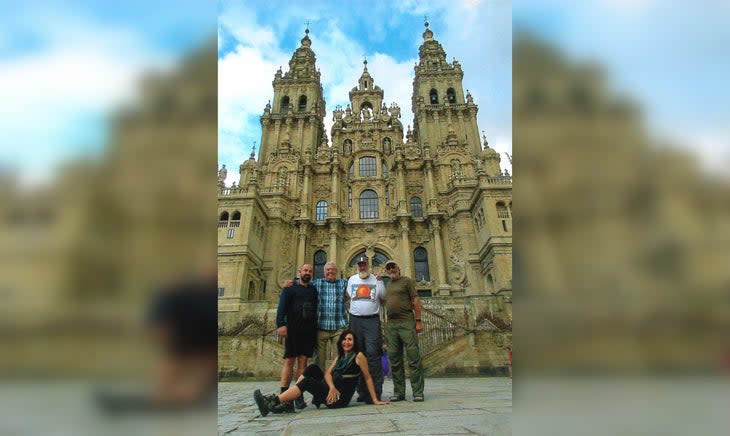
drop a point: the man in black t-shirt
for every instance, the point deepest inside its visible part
(296, 319)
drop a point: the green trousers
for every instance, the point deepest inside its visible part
(401, 336)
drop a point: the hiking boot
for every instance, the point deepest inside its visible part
(287, 407)
(299, 403)
(262, 402)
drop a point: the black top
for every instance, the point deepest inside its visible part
(298, 308)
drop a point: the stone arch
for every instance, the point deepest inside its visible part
(451, 95)
(357, 248)
(433, 96)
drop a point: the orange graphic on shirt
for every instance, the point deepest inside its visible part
(363, 291)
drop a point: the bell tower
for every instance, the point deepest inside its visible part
(292, 123)
(443, 114)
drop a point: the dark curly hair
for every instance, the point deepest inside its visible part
(355, 345)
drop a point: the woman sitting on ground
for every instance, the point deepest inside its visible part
(334, 388)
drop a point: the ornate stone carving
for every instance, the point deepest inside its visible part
(455, 238)
(457, 271)
(286, 271)
(322, 191)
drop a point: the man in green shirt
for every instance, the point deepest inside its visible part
(401, 332)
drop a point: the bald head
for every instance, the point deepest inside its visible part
(305, 273)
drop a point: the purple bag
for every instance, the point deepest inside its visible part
(385, 363)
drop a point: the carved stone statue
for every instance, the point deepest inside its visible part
(222, 173)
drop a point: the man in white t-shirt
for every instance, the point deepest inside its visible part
(366, 294)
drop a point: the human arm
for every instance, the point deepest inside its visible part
(333, 394)
(416, 302)
(281, 313)
(417, 312)
(381, 290)
(362, 362)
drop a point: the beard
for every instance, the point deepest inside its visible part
(305, 278)
(363, 274)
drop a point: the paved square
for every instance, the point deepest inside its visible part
(469, 405)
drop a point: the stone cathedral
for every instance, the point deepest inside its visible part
(432, 197)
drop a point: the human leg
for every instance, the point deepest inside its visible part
(286, 372)
(323, 337)
(299, 400)
(409, 336)
(373, 347)
(395, 352)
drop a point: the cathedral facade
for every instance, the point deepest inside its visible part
(432, 197)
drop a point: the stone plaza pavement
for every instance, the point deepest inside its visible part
(468, 405)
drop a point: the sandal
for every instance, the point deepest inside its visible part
(395, 398)
(418, 398)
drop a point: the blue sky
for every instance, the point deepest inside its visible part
(65, 66)
(256, 37)
(670, 56)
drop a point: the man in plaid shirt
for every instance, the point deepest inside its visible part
(331, 313)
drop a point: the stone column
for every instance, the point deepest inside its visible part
(431, 190)
(335, 194)
(332, 256)
(405, 260)
(302, 244)
(304, 199)
(402, 195)
(440, 265)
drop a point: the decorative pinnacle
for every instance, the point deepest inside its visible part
(425, 20)
(307, 29)
(253, 152)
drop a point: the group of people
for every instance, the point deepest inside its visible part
(313, 311)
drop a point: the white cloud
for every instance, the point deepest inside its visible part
(54, 94)
(339, 58)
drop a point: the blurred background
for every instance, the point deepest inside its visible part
(107, 188)
(622, 223)
(621, 149)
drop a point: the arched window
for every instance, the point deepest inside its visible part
(351, 171)
(420, 259)
(368, 204)
(302, 103)
(451, 95)
(284, 103)
(321, 210)
(367, 167)
(385, 168)
(416, 209)
(320, 258)
(349, 197)
(236, 219)
(378, 259)
(223, 220)
(434, 96)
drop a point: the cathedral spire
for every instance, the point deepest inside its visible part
(366, 80)
(427, 34)
(306, 42)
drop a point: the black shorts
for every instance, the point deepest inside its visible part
(299, 344)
